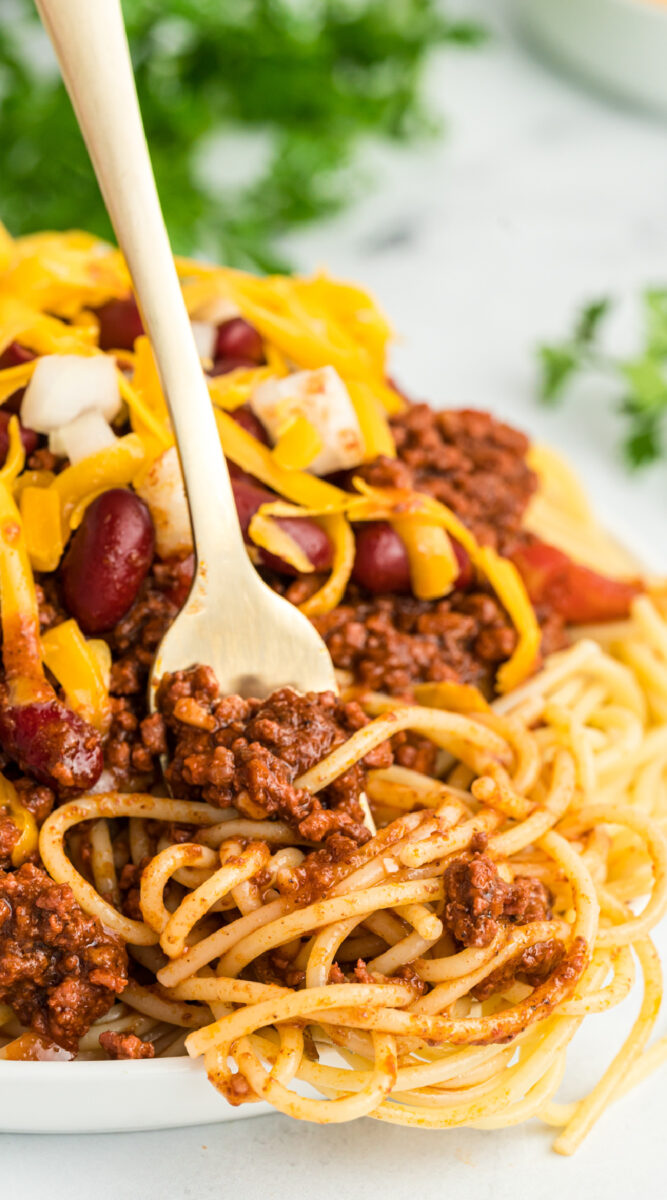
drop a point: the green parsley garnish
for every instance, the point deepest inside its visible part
(641, 381)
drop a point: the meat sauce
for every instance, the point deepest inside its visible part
(248, 753)
(59, 970)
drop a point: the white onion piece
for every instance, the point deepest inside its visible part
(216, 310)
(83, 436)
(321, 397)
(65, 385)
(164, 493)
(205, 335)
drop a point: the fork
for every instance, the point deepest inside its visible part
(254, 640)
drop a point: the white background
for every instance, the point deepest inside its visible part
(541, 197)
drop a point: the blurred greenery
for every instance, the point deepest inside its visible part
(257, 113)
(639, 382)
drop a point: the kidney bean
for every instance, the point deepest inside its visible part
(53, 744)
(29, 437)
(120, 324)
(315, 543)
(108, 559)
(238, 339)
(222, 366)
(381, 561)
(246, 418)
(14, 356)
(12, 404)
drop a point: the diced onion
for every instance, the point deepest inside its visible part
(323, 399)
(216, 309)
(162, 489)
(204, 334)
(83, 436)
(65, 385)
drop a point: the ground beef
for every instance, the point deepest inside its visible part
(126, 1045)
(135, 740)
(43, 459)
(59, 969)
(466, 459)
(526, 900)
(9, 836)
(133, 747)
(474, 899)
(247, 753)
(36, 797)
(390, 643)
(415, 752)
(50, 608)
(137, 636)
(477, 900)
(533, 966)
(320, 870)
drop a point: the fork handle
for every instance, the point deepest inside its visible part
(91, 45)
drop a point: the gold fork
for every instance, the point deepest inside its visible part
(254, 640)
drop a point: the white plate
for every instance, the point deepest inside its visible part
(620, 45)
(111, 1097)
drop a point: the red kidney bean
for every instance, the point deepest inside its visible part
(53, 744)
(108, 560)
(12, 404)
(29, 437)
(238, 339)
(222, 366)
(120, 324)
(381, 562)
(14, 356)
(315, 543)
(246, 418)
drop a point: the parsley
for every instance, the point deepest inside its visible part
(256, 113)
(641, 380)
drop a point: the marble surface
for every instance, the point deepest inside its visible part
(540, 197)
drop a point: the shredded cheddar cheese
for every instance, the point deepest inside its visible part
(42, 526)
(510, 590)
(18, 609)
(250, 455)
(372, 418)
(433, 564)
(298, 445)
(268, 535)
(13, 378)
(50, 288)
(77, 667)
(455, 697)
(113, 467)
(15, 461)
(22, 818)
(331, 593)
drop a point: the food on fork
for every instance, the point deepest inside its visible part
(200, 878)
